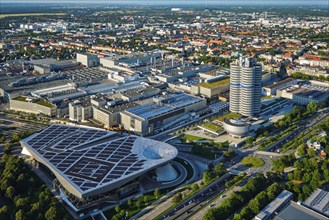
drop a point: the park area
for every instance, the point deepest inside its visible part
(251, 161)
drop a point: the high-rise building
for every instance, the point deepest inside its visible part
(245, 87)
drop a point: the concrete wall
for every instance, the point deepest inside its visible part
(211, 92)
(31, 107)
(141, 126)
(108, 119)
(80, 113)
(88, 60)
(108, 63)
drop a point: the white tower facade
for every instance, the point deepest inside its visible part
(245, 87)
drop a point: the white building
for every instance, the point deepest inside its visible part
(245, 87)
(88, 60)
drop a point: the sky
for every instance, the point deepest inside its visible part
(162, 2)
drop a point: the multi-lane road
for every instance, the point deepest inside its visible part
(198, 200)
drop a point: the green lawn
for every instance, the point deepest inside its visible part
(267, 97)
(215, 84)
(211, 126)
(20, 98)
(229, 115)
(191, 138)
(44, 103)
(251, 161)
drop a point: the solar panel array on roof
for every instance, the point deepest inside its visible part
(89, 161)
(88, 157)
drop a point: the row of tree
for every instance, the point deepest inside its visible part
(213, 172)
(22, 202)
(299, 75)
(259, 202)
(309, 174)
(19, 201)
(237, 199)
(283, 162)
(134, 204)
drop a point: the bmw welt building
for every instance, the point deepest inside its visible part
(92, 165)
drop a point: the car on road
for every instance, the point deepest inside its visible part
(212, 205)
(222, 196)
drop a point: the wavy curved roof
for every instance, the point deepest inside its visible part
(87, 159)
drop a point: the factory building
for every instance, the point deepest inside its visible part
(319, 202)
(109, 116)
(88, 60)
(80, 110)
(271, 89)
(162, 113)
(304, 94)
(33, 105)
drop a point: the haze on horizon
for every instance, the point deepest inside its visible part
(178, 2)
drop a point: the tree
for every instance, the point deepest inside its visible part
(7, 148)
(265, 134)
(312, 107)
(273, 190)
(36, 208)
(254, 206)
(177, 198)
(237, 217)
(207, 176)
(20, 215)
(145, 199)
(129, 203)
(2, 139)
(21, 203)
(229, 153)
(10, 192)
(306, 177)
(306, 190)
(301, 150)
(195, 187)
(52, 213)
(219, 169)
(117, 209)
(311, 152)
(157, 193)
(250, 141)
(246, 212)
(4, 212)
(122, 213)
(139, 203)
